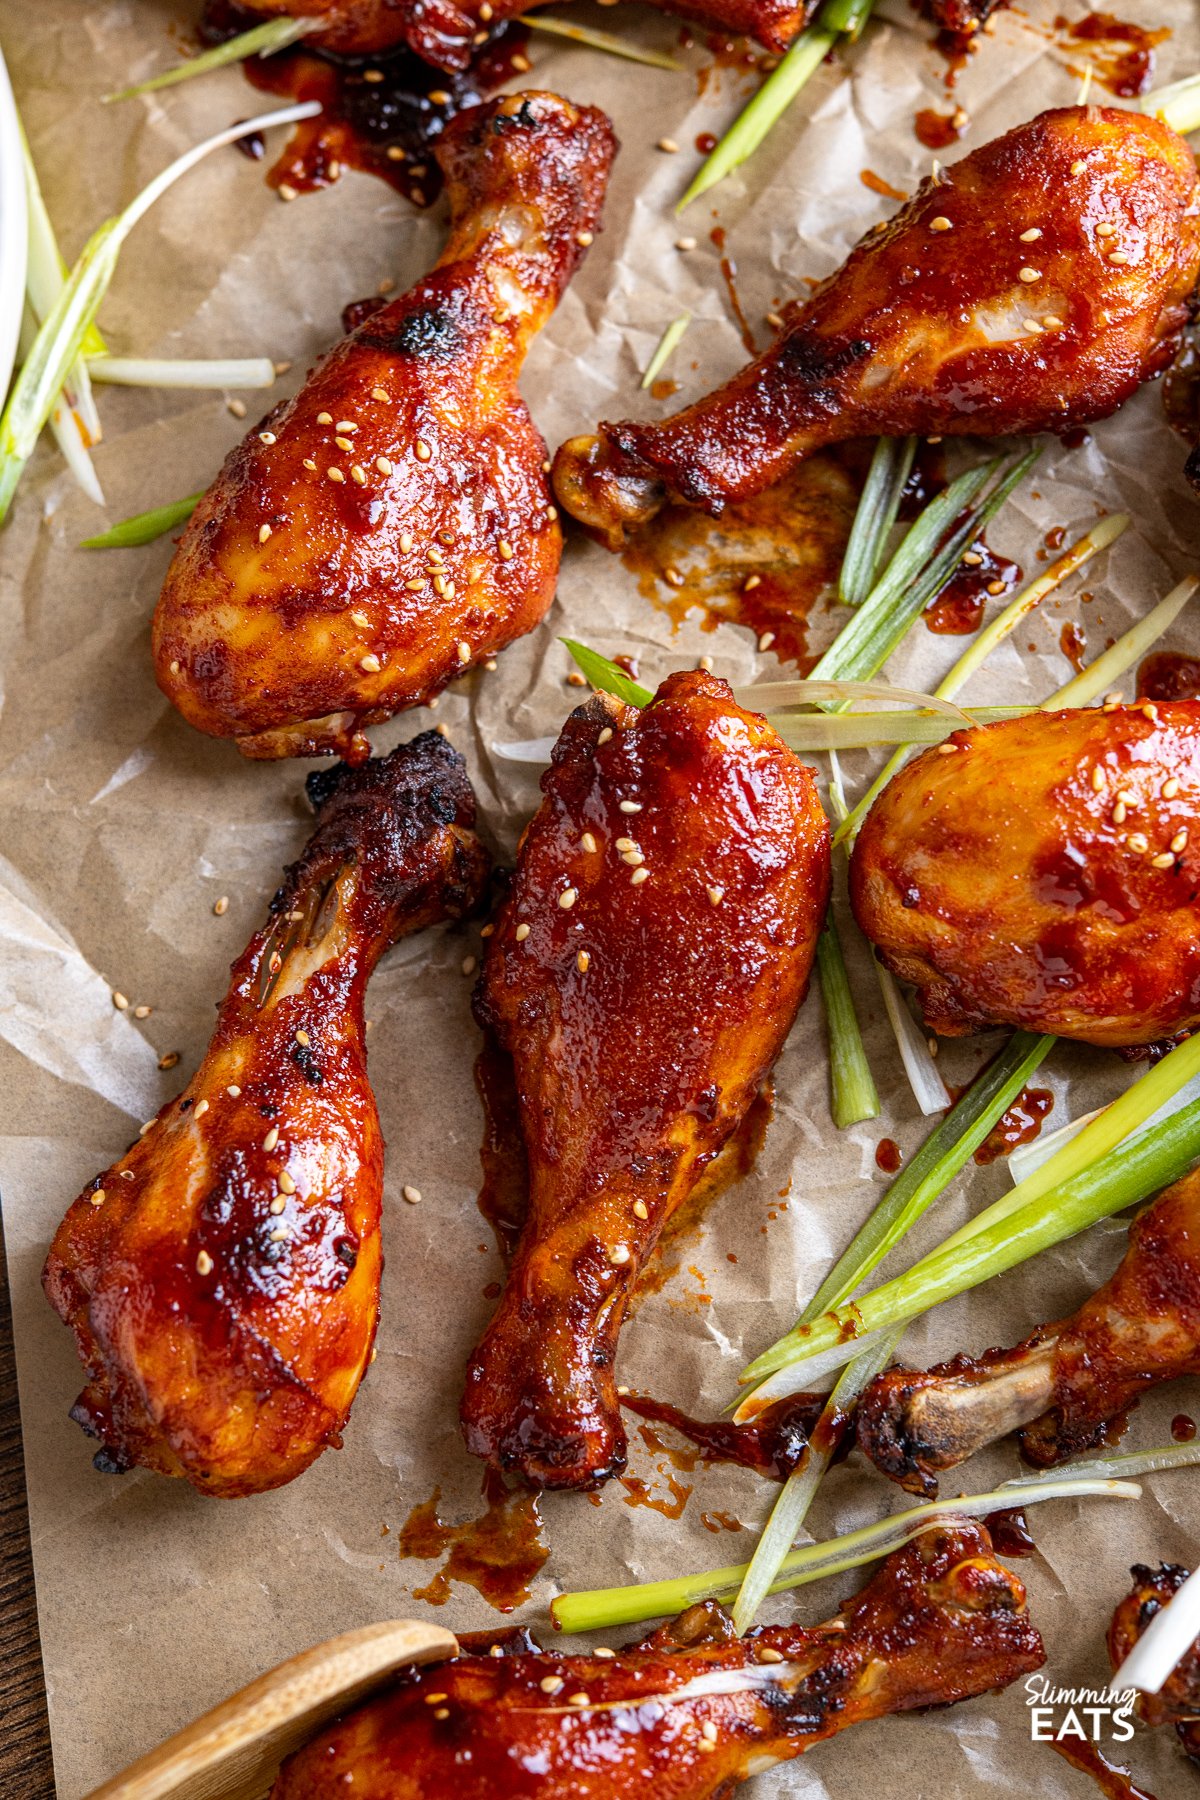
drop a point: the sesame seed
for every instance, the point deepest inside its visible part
(941, 223)
(412, 1195)
(379, 394)
(567, 898)
(423, 451)
(1106, 229)
(415, 583)
(632, 857)
(995, 587)
(119, 1001)
(603, 1651)
(277, 1236)
(1150, 711)
(309, 463)
(1170, 788)
(619, 1255)
(204, 1263)
(550, 1684)
(335, 475)
(1097, 777)
(435, 1699)
(685, 243)
(947, 749)
(324, 418)
(343, 443)
(406, 542)
(521, 64)
(464, 651)
(1162, 861)
(383, 464)
(505, 549)
(98, 1196)
(201, 1108)
(1031, 236)
(278, 1205)
(345, 425)
(491, 664)
(372, 74)
(358, 475)
(972, 558)
(142, 1012)
(750, 583)
(169, 1060)
(271, 1139)
(638, 876)
(605, 735)
(1137, 843)
(673, 576)
(705, 663)
(360, 619)
(370, 663)
(1077, 168)
(709, 1731)
(264, 532)
(1052, 322)
(668, 145)
(716, 895)
(522, 933)
(624, 843)
(1119, 813)
(1034, 328)
(640, 1210)
(234, 1092)
(1119, 256)
(706, 1746)
(629, 806)
(469, 965)
(588, 842)
(583, 239)
(1179, 841)
(221, 906)
(266, 437)
(1029, 275)
(583, 961)
(766, 640)
(236, 407)
(286, 1182)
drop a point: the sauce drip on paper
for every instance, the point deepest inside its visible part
(498, 1554)
(1019, 1125)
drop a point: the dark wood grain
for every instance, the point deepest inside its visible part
(25, 1768)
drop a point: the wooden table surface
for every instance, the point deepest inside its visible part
(25, 1769)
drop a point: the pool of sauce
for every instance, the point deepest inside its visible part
(1120, 54)
(769, 564)
(1009, 1532)
(641, 1493)
(381, 114)
(960, 606)
(1073, 644)
(773, 1445)
(1183, 1428)
(1168, 675)
(938, 131)
(1019, 1125)
(887, 1155)
(1111, 1778)
(498, 1554)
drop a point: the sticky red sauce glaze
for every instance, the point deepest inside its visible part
(938, 131)
(1073, 643)
(1009, 1532)
(960, 606)
(1168, 675)
(1114, 1781)
(773, 1445)
(878, 185)
(498, 1554)
(1019, 1125)
(1119, 54)
(887, 1155)
(647, 962)
(1183, 1428)
(1178, 1700)
(382, 113)
(222, 1278)
(729, 272)
(1045, 872)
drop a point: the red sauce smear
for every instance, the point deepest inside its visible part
(1019, 1125)
(887, 1155)
(878, 185)
(639, 1493)
(960, 606)
(938, 131)
(1168, 675)
(1073, 644)
(773, 1445)
(1183, 1428)
(706, 142)
(729, 271)
(381, 114)
(1121, 55)
(1113, 1780)
(1009, 1532)
(498, 1554)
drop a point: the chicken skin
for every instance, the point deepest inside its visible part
(1044, 872)
(1031, 287)
(1071, 1384)
(391, 526)
(1178, 1700)
(940, 1622)
(445, 32)
(645, 969)
(222, 1278)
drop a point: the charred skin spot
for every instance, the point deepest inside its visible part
(523, 119)
(307, 1064)
(430, 332)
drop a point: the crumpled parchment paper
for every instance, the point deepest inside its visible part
(122, 827)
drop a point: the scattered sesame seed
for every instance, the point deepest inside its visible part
(435, 1699)
(271, 1139)
(264, 532)
(286, 191)
(406, 542)
(588, 842)
(1077, 168)
(1034, 328)
(750, 583)
(1031, 236)
(626, 843)
(603, 1651)
(379, 394)
(768, 1655)
(120, 1001)
(685, 243)
(372, 75)
(236, 407)
(716, 895)
(550, 1684)
(346, 425)
(423, 451)
(464, 651)
(278, 1205)
(266, 437)
(277, 1236)
(1097, 777)
(1137, 843)
(1120, 813)
(633, 857)
(142, 1012)
(520, 64)
(335, 475)
(281, 368)
(505, 549)
(619, 1255)
(947, 749)
(469, 965)
(995, 587)
(766, 640)
(360, 619)
(491, 664)
(567, 898)
(1052, 322)
(1163, 861)
(1150, 711)
(201, 1108)
(605, 735)
(668, 146)
(673, 576)
(415, 583)
(706, 1746)
(1106, 229)
(370, 663)
(412, 1195)
(522, 933)
(169, 1060)
(344, 443)
(626, 806)
(941, 223)
(583, 961)
(1170, 788)
(972, 558)
(575, 679)
(1119, 256)
(638, 876)
(1179, 841)
(1029, 275)
(640, 1210)
(358, 475)
(383, 464)
(324, 418)
(583, 239)
(309, 463)
(705, 663)
(204, 1263)
(234, 1091)
(440, 96)
(709, 1731)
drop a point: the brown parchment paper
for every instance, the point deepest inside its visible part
(120, 828)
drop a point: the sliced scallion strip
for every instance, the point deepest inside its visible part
(260, 40)
(143, 528)
(878, 510)
(1099, 676)
(178, 372)
(853, 1094)
(666, 344)
(606, 41)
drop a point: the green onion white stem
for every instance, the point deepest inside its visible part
(260, 40)
(878, 510)
(61, 338)
(763, 112)
(65, 424)
(929, 1090)
(606, 41)
(45, 277)
(177, 372)
(143, 528)
(1005, 622)
(666, 344)
(603, 1607)
(1100, 676)
(856, 731)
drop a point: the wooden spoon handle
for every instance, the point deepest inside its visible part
(234, 1751)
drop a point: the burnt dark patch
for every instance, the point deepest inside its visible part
(524, 119)
(428, 332)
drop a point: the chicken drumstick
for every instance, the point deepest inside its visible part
(940, 1622)
(222, 1278)
(392, 525)
(1069, 1383)
(1030, 287)
(646, 967)
(1178, 1700)
(1044, 872)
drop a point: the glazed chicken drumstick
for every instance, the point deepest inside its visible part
(1031, 287)
(1178, 1700)
(1044, 872)
(222, 1278)
(1070, 1384)
(682, 1719)
(645, 969)
(392, 525)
